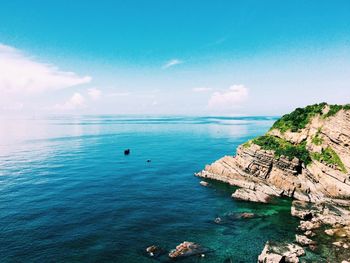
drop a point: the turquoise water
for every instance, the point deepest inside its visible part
(68, 193)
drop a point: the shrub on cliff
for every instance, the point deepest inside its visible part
(299, 118)
(333, 109)
(330, 157)
(283, 147)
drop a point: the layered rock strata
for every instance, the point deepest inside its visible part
(305, 156)
(258, 169)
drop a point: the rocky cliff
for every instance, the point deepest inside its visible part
(306, 156)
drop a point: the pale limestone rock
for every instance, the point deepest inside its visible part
(308, 225)
(303, 240)
(186, 249)
(284, 252)
(322, 190)
(338, 244)
(251, 195)
(203, 183)
(309, 233)
(258, 169)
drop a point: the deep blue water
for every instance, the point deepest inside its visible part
(68, 193)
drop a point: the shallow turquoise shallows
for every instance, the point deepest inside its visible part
(69, 194)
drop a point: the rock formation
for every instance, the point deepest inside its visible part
(319, 175)
(154, 251)
(186, 249)
(278, 253)
(305, 155)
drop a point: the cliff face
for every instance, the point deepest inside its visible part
(305, 155)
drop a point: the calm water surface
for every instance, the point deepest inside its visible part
(68, 193)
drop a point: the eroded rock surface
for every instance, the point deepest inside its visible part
(334, 218)
(186, 249)
(154, 251)
(251, 195)
(257, 169)
(280, 253)
(303, 240)
(304, 157)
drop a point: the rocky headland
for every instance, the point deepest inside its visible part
(305, 156)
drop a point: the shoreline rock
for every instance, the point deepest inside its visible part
(203, 183)
(251, 195)
(304, 241)
(313, 170)
(325, 177)
(278, 253)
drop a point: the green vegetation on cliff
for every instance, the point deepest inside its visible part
(317, 140)
(283, 147)
(329, 156)
(247, 144)
(294, 121)
(333, 109)
(300, 117)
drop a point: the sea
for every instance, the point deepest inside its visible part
(69, 194)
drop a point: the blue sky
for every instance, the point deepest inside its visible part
(172, 57)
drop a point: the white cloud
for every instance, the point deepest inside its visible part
(77, 101)
(20, 73)
(12, 106)
(172, 63)
(201, 89)
(228, 99)
(94, 93)
(120, 94)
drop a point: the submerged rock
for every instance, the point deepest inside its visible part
(279, 253)
(203, 183)
(154, 251)
(218, 220)
(228, 260)
(250, 195)
(246, 215)
(186, 249)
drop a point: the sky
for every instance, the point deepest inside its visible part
(162, 57)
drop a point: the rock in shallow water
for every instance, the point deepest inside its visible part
(246, 215)
(186, 249)
(309, 178)
(278, 253)
(203, 183)
(154, 251)
(303, 240)
(251, 195)
(256, 168)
